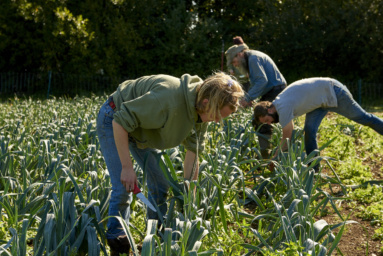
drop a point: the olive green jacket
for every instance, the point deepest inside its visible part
(159, 111)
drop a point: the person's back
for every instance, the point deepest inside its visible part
(314, 97)
(304, 96)
(264, 74)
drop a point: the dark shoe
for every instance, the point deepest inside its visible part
(119, 245)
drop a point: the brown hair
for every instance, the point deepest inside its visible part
(221, 90)
(260, 110)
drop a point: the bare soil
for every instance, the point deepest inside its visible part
(357, 238)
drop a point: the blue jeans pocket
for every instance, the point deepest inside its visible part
(105, 119)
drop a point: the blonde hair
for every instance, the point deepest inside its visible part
(221, 90)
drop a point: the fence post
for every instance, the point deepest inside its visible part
(49, 83)
(360, 91)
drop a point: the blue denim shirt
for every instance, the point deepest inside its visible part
(263, 74)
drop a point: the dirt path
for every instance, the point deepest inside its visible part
(357, 238)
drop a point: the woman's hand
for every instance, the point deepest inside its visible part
(128, 178)
(121, 138)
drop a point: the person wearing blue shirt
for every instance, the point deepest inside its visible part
(266, 82)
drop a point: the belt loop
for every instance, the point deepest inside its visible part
(111, 103)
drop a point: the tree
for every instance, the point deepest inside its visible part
(42, 35)
(130, 38)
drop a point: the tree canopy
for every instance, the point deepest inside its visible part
(337, 38)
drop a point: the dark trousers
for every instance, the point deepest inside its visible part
(266, 130)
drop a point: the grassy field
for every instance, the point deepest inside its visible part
(55, 189)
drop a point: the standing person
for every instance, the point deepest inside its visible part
(152, 113)
(314, 97)
(266, 81)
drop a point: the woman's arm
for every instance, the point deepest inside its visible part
(190, 157)
(121, 138)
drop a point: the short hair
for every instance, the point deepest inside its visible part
(260, 110)
(221, 90)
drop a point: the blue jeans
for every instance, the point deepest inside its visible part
(147, 159)
(347, 107)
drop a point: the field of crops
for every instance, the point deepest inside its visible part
(55, 189)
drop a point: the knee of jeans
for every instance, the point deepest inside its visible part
(158, 193)
(367, 119)
(121, 197)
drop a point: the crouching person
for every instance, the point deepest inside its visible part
(314, 97)
(152, 113)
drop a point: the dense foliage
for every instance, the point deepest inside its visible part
(338, 38)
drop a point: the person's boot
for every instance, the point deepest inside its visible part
(119, 245)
